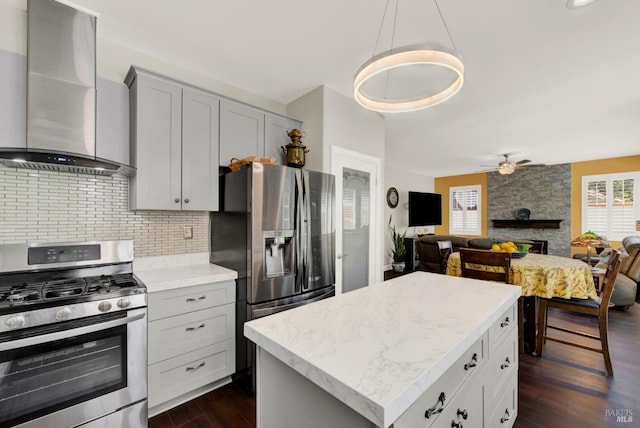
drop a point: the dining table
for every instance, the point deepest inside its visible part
(541, 276)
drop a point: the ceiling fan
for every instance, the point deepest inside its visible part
(508, 167)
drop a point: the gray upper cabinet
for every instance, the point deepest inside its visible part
(174, 145)
(112, 121)
(200, 119)
(241, 131)
(275, 135)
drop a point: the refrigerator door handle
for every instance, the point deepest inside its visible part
(300, 243)
(306, 227)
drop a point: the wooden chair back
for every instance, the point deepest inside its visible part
(445, 248)
(609, 280)
(485, 265)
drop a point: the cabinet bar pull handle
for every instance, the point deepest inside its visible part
(506, 322)
(505, 364)
(193, 369)
(191, 299)
(473, 363)
(435, 410)
(456, 425)
(194, 328)
(505, 418)
(463, 413)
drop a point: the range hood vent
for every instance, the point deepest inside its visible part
(62, 163)
(61, 93)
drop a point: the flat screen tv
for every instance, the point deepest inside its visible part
(425, 209)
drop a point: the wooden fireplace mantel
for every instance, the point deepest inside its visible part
(527, 224)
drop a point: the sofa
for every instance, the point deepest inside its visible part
(627, 289)
(429, 255)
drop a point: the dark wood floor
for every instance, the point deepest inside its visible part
(566, 388)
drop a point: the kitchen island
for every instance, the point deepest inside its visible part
(420, 350)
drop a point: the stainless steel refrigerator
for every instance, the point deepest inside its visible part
(276, 228)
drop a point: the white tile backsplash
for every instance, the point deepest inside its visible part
(47, 206)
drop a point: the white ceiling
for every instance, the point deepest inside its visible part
(542, 82)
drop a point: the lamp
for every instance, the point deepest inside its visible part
(415, 55)
(589, 240)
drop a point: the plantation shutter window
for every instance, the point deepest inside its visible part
(464, 210)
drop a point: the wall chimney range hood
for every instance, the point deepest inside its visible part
(61, 93)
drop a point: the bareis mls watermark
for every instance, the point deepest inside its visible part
(620, 415)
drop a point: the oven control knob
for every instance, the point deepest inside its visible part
(17, 321)
(104, 306)
(124, 302)
(63, 314)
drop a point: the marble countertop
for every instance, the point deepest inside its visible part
(161, 273)
(378, 348)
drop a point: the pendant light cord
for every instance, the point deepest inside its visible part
(384, 16)
(446, 27)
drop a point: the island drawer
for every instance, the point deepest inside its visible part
(164, 304)
(504, 322)
(170, 337)
(435, 400)
(465, 410)
(502, 362)
(173, 377)
(503, 411)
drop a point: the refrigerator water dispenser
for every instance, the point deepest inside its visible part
(278, 253)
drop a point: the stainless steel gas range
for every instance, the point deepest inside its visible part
(73, 336)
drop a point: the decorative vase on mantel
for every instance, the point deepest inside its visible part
(398, 266)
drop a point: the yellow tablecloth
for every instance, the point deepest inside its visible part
(544, 275)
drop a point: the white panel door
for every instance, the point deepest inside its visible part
(358, 213)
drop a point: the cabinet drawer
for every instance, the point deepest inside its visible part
(501, 326)
(501, 364)
(176, 376)
(181, 300)
(465, 410)
(170, 337)
(446, 386)
(504, 410)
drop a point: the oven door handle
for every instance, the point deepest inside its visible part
(59, 335)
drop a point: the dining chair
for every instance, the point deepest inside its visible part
(486, 265)
(492, 266)
(598, 307)
(445, 248)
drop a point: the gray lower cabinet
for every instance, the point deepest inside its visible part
(275, 135)
(174, 144)
(241, 131)
(191, 342)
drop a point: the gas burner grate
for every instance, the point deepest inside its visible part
(19, 293)
(124, 280)
(63, 288)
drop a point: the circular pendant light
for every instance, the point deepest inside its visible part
(410, 57)
(406, 57)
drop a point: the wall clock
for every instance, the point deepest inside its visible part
(392, 197)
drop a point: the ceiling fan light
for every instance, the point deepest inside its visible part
(506, 169)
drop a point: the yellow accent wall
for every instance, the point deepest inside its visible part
(442, 184)
(602, 166)
(578, 170)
